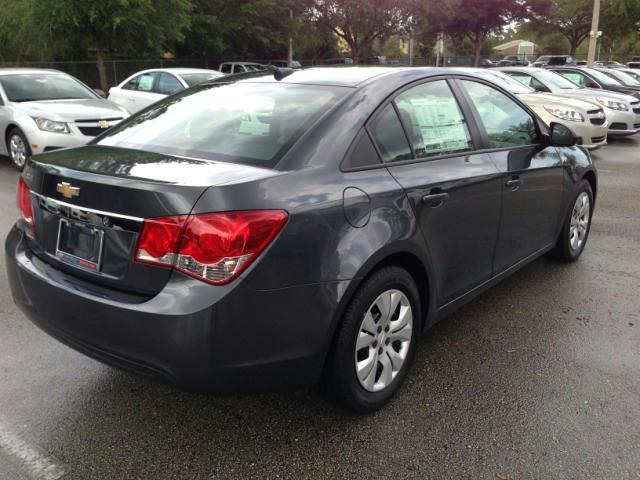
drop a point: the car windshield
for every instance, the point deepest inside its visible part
(253, 123)
(633, 74)
(555, 81)
(196, 78)
(504, 81)
(47, 86)
(623, 77)
(601, 77)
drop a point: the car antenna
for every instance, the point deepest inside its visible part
(281, 72)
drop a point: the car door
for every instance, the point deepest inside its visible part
(532, 173)
(138, 92)
(429, 148)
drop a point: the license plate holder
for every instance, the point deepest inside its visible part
(79, 244)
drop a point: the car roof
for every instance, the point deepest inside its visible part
(346, 76)
(32, 71)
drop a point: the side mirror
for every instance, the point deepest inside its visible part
(591, 84)
(100, 92)
(561, 136)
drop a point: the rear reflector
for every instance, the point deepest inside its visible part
(213, 247)
(24, 204)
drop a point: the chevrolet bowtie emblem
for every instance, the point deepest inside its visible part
(103, 124)
(67, 190)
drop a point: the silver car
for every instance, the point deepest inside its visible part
(43, 110)
(622, 111)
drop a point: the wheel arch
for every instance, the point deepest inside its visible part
(407, 257)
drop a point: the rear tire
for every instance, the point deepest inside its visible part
(18, 148)
(577, 224)
(374, 345)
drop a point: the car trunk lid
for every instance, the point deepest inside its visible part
(90, 203)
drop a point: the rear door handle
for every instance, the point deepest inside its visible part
(435, 199)
(513, 183)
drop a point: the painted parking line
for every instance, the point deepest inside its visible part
(39, 466)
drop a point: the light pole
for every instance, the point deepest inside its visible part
(594, 33)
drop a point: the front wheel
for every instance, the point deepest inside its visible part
(18, 148)
(577, 224)
(375, 342)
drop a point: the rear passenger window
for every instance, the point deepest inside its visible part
(363, 154)
(389, 136)
(226, 68)
(507, 123)
(433, 120)
(168, 84)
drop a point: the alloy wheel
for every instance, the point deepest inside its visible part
(580, 217)
(383, 340)
(17, 150)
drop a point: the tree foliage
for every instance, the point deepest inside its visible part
(359, 23)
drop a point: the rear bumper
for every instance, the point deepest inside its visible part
(219, 339)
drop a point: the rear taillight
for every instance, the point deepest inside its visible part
(24, 204)
(214, 247)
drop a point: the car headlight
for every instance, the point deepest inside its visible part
(51, 125)
(613, 104)
(564, 113)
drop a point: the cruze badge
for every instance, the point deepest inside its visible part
(67, 190)
(103, 124)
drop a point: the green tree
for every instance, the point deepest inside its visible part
(361, 22)
(75, 27)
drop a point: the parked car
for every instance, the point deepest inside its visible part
(44, 110)
(634, 63)
(240, 67)
(545, 60)
(592, 78)
(632, 72)
(380, 200)
(621, 75)
(586, 119)
(148, 86)
(622, 111)
(377, 60)
(513, 60)
(608, 64)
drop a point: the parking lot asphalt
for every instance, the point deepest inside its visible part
(538, 378)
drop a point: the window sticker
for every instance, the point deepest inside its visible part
(441, 125)
(146, 83)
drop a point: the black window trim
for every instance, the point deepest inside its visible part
(473, 129)
(480, 144)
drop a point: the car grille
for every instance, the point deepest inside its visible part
(594, 116)
(618, 126)
(91, 127)
(636, 110)
(636, 125)
(92, 131)
(598, 139)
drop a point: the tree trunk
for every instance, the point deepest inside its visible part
(355, 52)
(478, 44)
(102, 68)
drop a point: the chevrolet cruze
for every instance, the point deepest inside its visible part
(293, 228)
(45, 110)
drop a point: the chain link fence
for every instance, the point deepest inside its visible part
(119, 70)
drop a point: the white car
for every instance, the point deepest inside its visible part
(43, 110)
(148, 86)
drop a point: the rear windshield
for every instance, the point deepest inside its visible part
(254, 123)
(505, 81)
(48, 86)
(601, 77)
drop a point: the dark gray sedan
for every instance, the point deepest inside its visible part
(284, 229)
